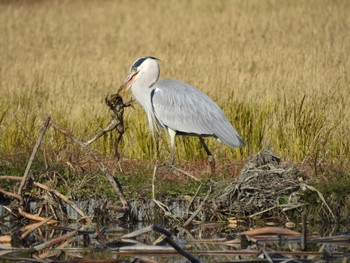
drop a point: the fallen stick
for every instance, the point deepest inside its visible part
(56, 240)
(270, 231)
(35, 149)
(63, 198)
(34, 217)
(114, 182)
(18, 197)
(34, 227)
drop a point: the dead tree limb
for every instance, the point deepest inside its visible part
(114, 182)
(35, 149)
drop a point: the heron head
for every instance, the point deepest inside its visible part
(145, 66)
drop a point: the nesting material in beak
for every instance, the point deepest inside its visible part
(126, 84)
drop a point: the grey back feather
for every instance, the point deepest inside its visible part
(185, 109)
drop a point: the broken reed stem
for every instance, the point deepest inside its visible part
(35, 149)
(62, 197)
(114, 182)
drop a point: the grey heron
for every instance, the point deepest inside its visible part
(178, 107)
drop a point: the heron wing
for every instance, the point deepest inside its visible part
(185, 109)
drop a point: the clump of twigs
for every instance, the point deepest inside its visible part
(116, 104)
(265, 184)
(52, 202)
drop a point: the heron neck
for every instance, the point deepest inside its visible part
(142, 94)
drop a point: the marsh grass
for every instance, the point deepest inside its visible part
(279, 70)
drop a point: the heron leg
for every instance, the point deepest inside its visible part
(211, 158)
(172, 135)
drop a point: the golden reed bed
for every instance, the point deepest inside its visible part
(279, 69)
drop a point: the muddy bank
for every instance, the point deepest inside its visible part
(266, 187)
(41, 222)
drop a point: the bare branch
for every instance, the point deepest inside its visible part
(35, 149)
(114, 182)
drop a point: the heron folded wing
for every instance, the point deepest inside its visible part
(186, 109)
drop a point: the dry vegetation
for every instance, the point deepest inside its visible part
(279, 69)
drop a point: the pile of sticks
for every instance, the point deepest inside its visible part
(266, 186)
(19, 207)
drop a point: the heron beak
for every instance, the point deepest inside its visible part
(126, 84)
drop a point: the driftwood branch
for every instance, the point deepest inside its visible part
(35, 149)
(114, 182)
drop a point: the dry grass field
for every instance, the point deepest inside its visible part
(279, 69)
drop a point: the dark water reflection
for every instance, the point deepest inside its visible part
(210, 242)
(89, 246)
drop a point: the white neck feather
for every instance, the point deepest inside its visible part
(142, 88)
